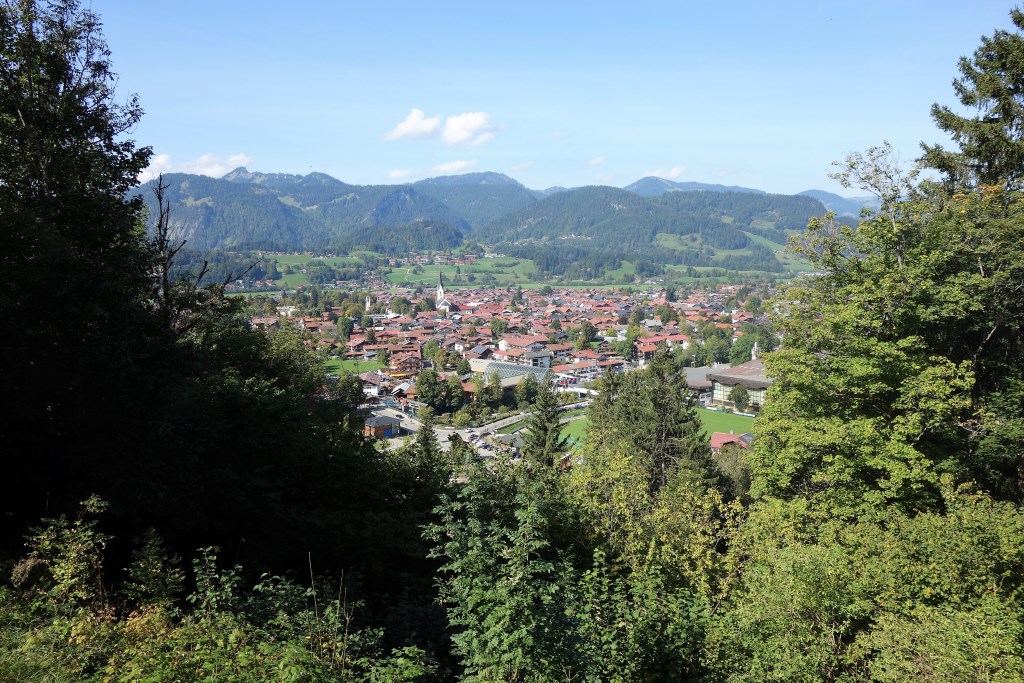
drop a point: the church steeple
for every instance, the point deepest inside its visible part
(441, 302)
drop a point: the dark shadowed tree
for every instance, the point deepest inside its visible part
(74, 271)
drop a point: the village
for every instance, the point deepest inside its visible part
(472, 357)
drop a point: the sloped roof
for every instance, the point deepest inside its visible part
(750, 374)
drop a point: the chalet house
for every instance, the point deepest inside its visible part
(750, 374)
(540, 358)
(526, 343)
(612, 365)
(645, 353)
(560, 351)
(371, 383)
(405, 364)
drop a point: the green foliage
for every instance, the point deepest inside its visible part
(276, 631)
(655, 412)
(502, 577)
(64, 567)
(633, 625)
(154, 579)
(929, 596)
(740, 397)
(894, 353)
(544, 444)
(991, 145)
(527, 391)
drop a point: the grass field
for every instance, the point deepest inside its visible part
(339, 366)
(712, 420)
(302, 259)
(505, 270)
(715, 421)
(575, 430)
(297, 262)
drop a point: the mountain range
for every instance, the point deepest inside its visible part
(653, 219)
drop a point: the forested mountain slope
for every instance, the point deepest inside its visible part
(278, 211)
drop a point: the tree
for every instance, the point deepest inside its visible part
(665, 313)
(425, 445)
(70, 234)
(453, 393)
(544, 443)
(653, 410)
(494, 392)
(909, 335)
(992, 142)
(740, 397)
(742, 349)
(586, 333)
(499, 326)
(346, 327)
(501, 581)
(429, 389)
(526, 391)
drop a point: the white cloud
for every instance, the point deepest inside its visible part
(596, 161)
(522, 167)
(670, 174)
(453, 166)
(415, 127)
(208, 164)
(161, 163)
(472, 128)
(398, 173)
(481, 139)
(469, 129)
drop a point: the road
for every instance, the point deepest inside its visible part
(411, 424)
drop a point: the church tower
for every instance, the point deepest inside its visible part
(441, 302)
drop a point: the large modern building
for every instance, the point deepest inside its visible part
(749, 375)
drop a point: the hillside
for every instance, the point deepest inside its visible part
(652, 223)
(246, 210)
(603, 225)
(843, 206)
(651, 186)
(479, 198)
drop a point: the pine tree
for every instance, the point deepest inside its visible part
(655, 412)
(992, 142)
(544, 443)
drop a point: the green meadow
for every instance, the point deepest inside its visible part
(713, 421)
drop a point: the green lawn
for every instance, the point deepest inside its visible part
(505, 270)
(575, 430)
(715, 421)
(338, 366)
(712, 420)
(514, 427)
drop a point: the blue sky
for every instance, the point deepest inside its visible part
(758, 94)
